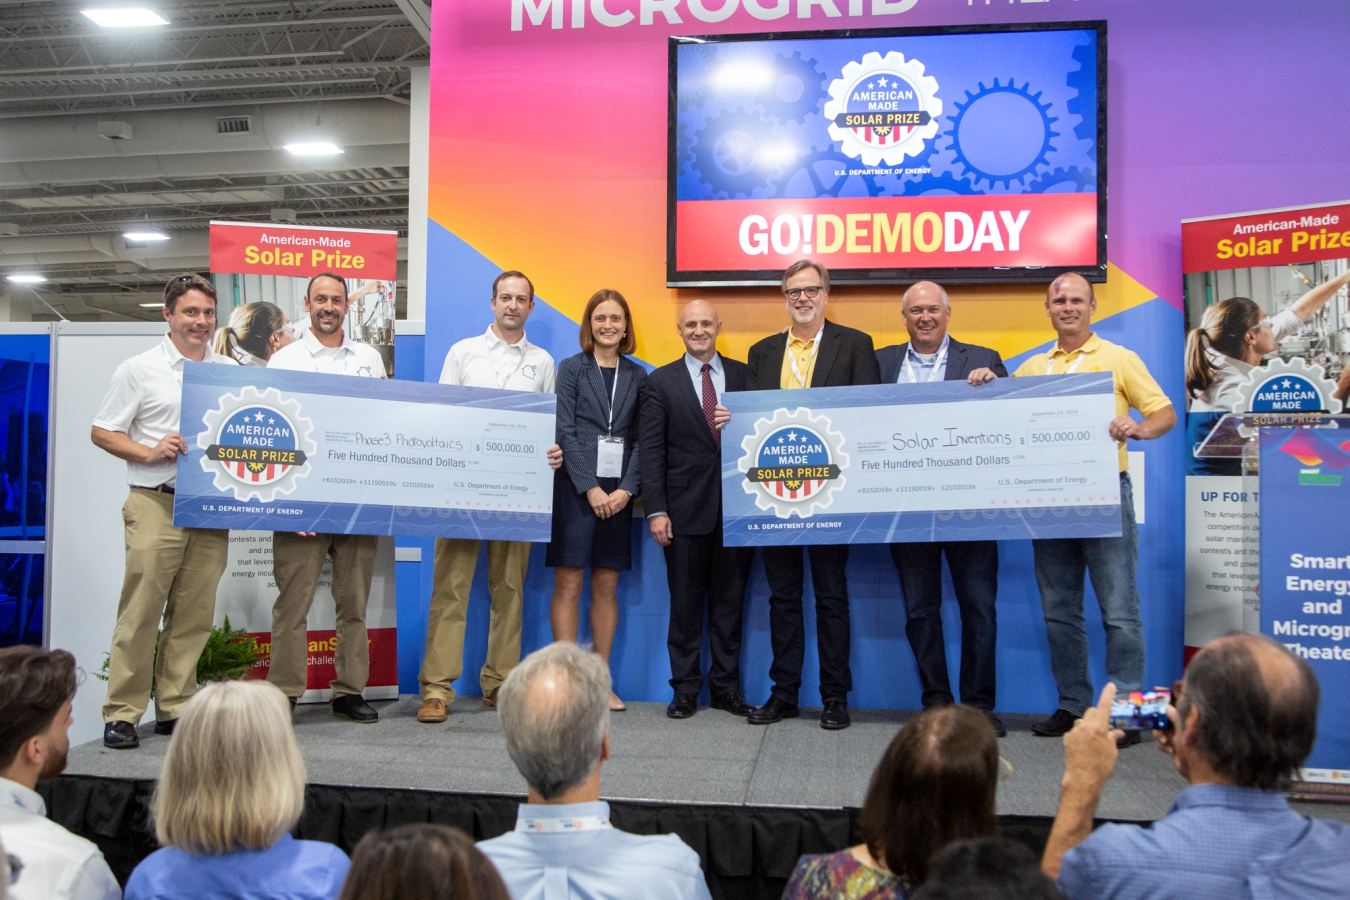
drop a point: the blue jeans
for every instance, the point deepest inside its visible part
(1111, 563)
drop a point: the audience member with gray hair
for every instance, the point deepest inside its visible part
(555, 712)
(1245, 718)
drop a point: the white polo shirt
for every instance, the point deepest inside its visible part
(487, 361)
(348, 358)
(57, 865)
(144, 402)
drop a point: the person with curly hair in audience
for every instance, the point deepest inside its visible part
(231, 791)
(935, 784)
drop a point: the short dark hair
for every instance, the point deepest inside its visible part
(181, 284)
(512, 273)
(1254, 731)
(338, 278)
(935, 784)
(801, 264)
(33, 685)
(421, 862)
(986, 869)
(629, 342)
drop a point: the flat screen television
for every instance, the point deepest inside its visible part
(959, 154)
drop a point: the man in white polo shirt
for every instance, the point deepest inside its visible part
(499, 358)
(170, 572)
(297, 559)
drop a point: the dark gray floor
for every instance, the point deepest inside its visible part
(711, 758)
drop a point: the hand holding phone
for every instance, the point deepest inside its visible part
(1142, 709)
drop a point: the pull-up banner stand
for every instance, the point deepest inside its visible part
(269, 262)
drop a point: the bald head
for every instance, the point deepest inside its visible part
(1070, 304)
(555, 713)
(699, 325)
(927, 313)
(925, 291)
(1072, 281)
(1255, 709)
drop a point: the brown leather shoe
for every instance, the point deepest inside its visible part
(490, 700)
(433, 710)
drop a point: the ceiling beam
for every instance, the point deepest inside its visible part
(419, 14)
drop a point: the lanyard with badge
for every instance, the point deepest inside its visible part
(497, 369)
(792, 357)
(609, 449)
(938, 363)
(555, 825)
(1050, 365)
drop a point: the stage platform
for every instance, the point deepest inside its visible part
(749, 799)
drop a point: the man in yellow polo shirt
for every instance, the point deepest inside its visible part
(1111, 562)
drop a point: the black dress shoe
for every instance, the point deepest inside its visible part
(775, 710)
(355, 708)
(683, 706)
(999, 728)
(165, 726)
(835, 717)
(1057, 725)
(733, 703)
(1129, 738)
(120, 736)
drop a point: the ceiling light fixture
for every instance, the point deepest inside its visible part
(124, 17)
(27, 278)
(313, 148)
(149, 305)
(145, 236)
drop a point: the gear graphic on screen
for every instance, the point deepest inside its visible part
(1002, 134)
(796, 91)
(815, 176)
(1084, 102)
(1071, 180)
(728, 153)
(945, 184)
(692, 87)
(894, 84)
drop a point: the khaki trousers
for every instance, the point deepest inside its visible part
(452, 575)
(173, 573)
(297, 561)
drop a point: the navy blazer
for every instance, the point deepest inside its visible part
(962, 359)
(845, 358)
(681, 459)
(583, 416)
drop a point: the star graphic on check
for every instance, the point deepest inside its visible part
(258, 417)
(271, 421)
(882, 81)
(792, 435)
(1286, 383)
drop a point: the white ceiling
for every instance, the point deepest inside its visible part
(295, 70)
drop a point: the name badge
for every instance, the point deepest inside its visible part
(609, 457)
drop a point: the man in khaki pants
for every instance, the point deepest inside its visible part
(499, 358)
(297, 559)
(170, 572)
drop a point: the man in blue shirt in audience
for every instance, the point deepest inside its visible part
(1244, 718)
(555, 712)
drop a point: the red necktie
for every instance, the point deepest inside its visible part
(709, 400)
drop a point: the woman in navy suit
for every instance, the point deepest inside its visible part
(593, 490)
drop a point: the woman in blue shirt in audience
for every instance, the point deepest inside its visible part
(232, 788)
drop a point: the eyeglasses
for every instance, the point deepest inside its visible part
(810, 292)
(288, 329)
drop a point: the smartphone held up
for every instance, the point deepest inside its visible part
(1142, 709)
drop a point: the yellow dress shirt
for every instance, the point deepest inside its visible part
(799, 349)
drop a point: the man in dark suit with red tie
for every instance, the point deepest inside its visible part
(813, 352)
(933, 355)
(680, 436)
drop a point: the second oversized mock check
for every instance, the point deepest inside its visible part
(1016, 458)
(296, 451)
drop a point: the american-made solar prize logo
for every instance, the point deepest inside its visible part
(257, 444)
(793, 463)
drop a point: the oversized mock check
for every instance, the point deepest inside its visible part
(1013, 459)
(296, 451)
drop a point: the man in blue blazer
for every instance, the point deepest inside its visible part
(681, 441)
(932, 355)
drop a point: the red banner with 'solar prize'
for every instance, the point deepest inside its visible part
(889, 232)
(302, 250)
